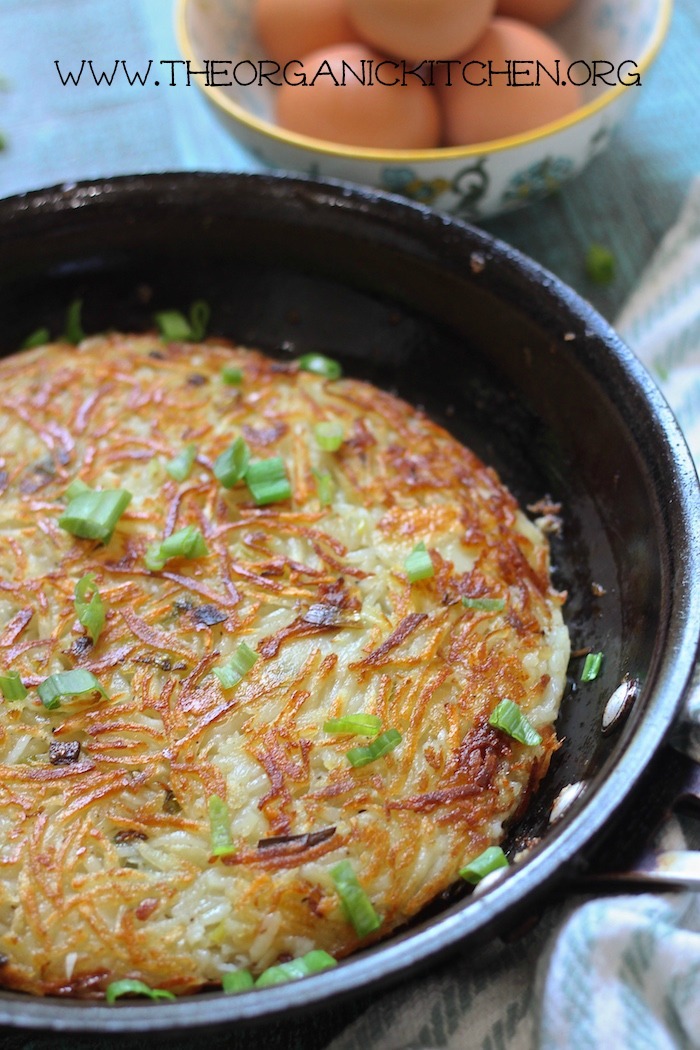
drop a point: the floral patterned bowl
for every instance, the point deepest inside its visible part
(470, 181)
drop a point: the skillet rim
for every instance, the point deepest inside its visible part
(679, 538)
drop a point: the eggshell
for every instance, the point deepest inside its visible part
(420, 29)
(493, 111)
(289, 29)
(375, 116)
(536, 12)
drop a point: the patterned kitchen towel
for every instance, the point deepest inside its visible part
(613, 973)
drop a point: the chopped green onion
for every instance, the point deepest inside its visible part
(241, 662)
(490, 860)
(129, 986)
(361, 756)
(76, 487)
(232, 464)
(508, 717)
(356, 904)
(89, 605)
(231, 375)
(68, 683)
(237, 981)
(484, 604)
(36, 338)
(313, 962)
(325, 487)
(359, 725)
(93, 514)
(268, 482)
(185, 543)
(11, 686)
(418, 564)
(329, 436)
(320, 365)
(600, 264)
(221, 841)
(74, 330)
(180, 467)
(591, 667)
(175, 327)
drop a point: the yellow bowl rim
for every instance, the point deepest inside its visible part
(358, 153)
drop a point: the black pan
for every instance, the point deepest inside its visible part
(496, 349)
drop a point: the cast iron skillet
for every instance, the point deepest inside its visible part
(512, 362)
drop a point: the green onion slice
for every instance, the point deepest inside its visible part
(237, 981)
(221, 841)
(173, 326)
(329, 436)
(359, 725)
(484, 604)
(325, 487)
(361, 756)
(600, 264)
(231, 375)
(74, 330)
(36, 338)
(356, 904)
(490, 860)
(185, 543)
(591, 667)
(93, 514)
(320, 365)
(508, 717)
(68, 683)
(313, 962)
(232, 464)
(11, 686)
(268, 482)
(89, 605)
(241, 662)
(418, 564)
(77, 487)
(180, 467)
(129, 986)
(200, 312)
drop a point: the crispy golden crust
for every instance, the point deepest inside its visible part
(105, 849)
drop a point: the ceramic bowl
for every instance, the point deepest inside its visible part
(473, 182)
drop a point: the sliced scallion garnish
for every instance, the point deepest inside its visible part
(68, 683)
(386, 742)
(36, 338)
(490, 860)
(89, 605)
(74, 330)
(11, 686)
(359, 725)
(357, 906)
(418, 564)
(237, 981)
(329, 436)
(180, 466)
(231, 375)
(591, 667)
(200, 313)
(185, 543)
(325, 487)
(268, 482)
(232, 464)
(92, 514)
(220, 825)
(484, 604)
(176, 328)
(240, 663)
(130, 986)
(75, 488)
(320, 365)
(314, 961)
(508, 717)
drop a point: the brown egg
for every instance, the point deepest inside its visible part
(418, 29)
(373, 115)
(289, 29)
(537, 12)
(495, 110)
